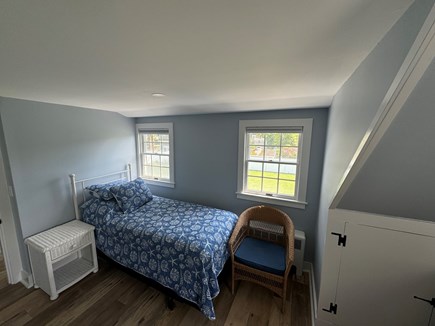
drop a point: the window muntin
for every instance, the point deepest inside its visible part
(274, 160)
(155, 153)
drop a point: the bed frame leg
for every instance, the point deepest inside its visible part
(170, 303)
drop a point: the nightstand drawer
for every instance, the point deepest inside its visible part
(70, 246)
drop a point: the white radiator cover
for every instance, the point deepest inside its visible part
(299, 251)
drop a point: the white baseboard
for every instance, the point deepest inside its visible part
(308, 267)
(26, 279)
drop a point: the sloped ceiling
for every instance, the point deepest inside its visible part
(206, 56)
(398, 178)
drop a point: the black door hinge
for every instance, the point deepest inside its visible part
(332, 309)
(430, 301)
(341, 239)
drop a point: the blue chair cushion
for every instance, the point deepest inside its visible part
(263, 255)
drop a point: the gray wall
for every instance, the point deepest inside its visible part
(206, 150)
(46, 142)
(398, 178)
(355, 106)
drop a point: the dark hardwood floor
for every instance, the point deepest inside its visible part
(3, 275)
(114, 297)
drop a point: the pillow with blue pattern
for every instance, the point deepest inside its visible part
(132, 195)
(102, 191)
(95, 210)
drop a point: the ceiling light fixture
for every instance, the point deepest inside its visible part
(158, 95)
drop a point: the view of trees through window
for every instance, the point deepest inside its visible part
(272, 162)
(155, 155)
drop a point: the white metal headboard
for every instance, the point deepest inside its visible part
(124, 174)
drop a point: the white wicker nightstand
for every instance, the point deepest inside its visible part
(62, 256)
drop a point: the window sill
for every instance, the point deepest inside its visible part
(272, 200)
(166, 184)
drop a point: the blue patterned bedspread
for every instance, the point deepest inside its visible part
(181, 245)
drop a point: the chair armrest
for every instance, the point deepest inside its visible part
(290, 243)
(239, 239)
(238, 233)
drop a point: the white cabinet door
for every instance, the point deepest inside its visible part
(381, 271)
(372, 278)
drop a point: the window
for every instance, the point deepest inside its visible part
(156, 153)
(273, 161)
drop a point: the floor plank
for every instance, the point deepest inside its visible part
(114, 297)
(74, 301)
(146, 310)
(301, 303)
(3, 275)
(31, 304)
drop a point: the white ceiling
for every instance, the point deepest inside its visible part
(206, 55)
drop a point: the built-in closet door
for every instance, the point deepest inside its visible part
(383, 264)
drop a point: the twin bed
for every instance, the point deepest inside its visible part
(183, 246)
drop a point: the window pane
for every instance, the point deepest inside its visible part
(147, 170)
(148, 137)
(271, 170)
(254, 184)
(286, 188)
(256, 152)
(256, 139)
(272, 138)
(270, 185)
(156, 160)
(165, 173)
(255, 169)
(147, 160)
(148, 147)
(157, 148)
(289, 154)
(156, 172)
(164, 160)
(287, 171)
(290, 139)
(164, 137)
(165, 147)
(272, 153)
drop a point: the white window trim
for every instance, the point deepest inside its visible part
(153, 126)
(306, 125)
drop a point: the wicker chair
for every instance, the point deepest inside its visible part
(269, 227)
